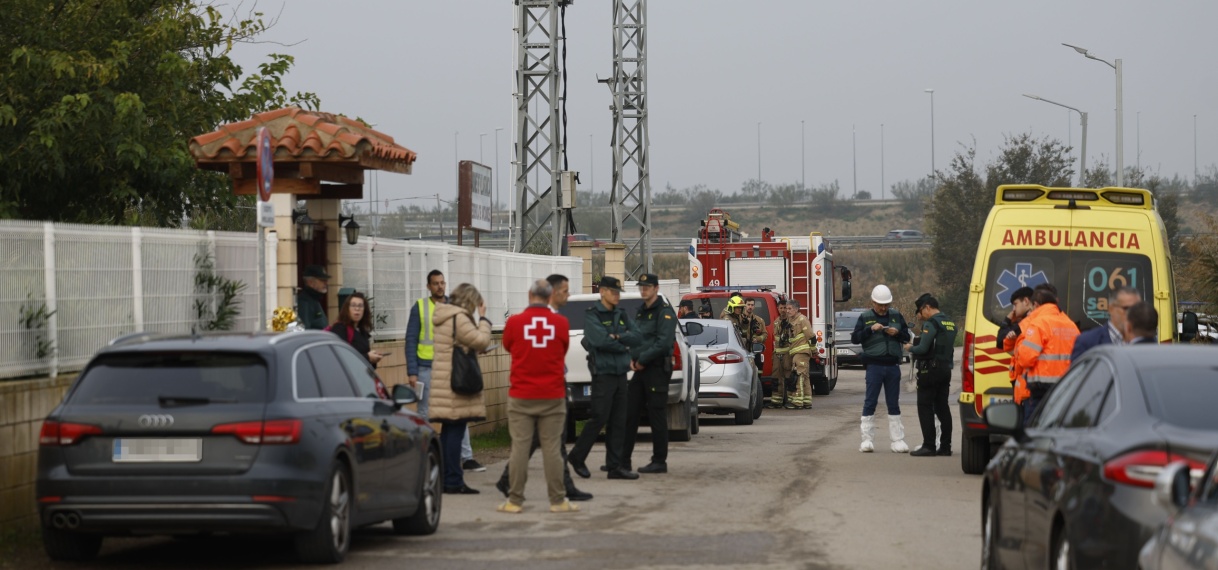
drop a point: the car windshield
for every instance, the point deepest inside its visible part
(846, 321)
(711, 336)
(574, 310)
(1083, 280)
(178, 377)
(1183, 394)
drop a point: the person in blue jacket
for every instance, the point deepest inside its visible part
(1119, 302)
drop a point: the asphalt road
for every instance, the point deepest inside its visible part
(790, 491)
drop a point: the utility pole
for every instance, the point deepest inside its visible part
(882, 186)
(854, 158)
(630, 196)
(803, 155)
(538, 134)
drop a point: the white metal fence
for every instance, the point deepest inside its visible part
(67, 289)
(399, 269)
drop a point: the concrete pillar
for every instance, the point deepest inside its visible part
(615, 260)
(285, 253)
(583, 250)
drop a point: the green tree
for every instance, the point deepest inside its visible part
(99, 99)
(915, 194)
(955, 219)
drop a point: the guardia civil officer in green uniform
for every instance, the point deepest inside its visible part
(651, 362)
(932, 358)
(608, 335)
(311, 299)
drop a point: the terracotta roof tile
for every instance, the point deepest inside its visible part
(299, 135)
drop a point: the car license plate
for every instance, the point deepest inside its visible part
(588, 390)
(845, 352)
(150, 450)
(999, 400)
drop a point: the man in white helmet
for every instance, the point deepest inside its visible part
(881, 331)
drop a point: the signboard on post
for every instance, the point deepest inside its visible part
(266, 164)
(474, 196)
(266, 215)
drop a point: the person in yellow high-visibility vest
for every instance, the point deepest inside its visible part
(420, 336)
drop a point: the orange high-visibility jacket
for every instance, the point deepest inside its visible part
(1042, 352)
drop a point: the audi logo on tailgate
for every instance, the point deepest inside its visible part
(156, 420)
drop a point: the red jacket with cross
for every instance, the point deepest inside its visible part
(537, 339)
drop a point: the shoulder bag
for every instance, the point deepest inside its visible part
(466, 377)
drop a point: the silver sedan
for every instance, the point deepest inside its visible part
(729, 380)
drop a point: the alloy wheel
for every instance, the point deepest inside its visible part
(340, 511)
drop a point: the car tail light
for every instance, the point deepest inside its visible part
(726, 357)
(64, 433)
(677, 363)
(966, 366)
(1139, 468)
(272, 432)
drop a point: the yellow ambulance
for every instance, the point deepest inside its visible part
(1084, 241)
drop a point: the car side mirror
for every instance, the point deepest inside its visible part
(691, 329)
(1189, 328)
(403, 394)
(1005, 418)
(1172, 487)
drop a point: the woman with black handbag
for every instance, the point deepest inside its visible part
(456, 381)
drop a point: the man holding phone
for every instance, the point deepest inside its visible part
(881, 331)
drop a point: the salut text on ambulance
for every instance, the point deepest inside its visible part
(1087, 243)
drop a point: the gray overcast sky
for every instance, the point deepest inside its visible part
(420, 71)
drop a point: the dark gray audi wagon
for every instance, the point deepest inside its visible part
(280, 433)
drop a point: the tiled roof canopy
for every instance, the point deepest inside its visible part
(299, 135)
(309, 147)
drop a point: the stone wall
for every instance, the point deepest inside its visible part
(24, 404)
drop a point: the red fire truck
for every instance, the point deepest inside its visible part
(799, 268)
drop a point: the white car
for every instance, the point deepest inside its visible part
(682, 388)
(728, 380)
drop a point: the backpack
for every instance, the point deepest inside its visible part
(350, 331)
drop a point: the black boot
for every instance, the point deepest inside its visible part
(924, 451)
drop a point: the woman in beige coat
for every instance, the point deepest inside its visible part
(454, 323)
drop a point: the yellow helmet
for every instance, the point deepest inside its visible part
(735, 301)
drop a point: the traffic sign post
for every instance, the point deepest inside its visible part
(266, 215)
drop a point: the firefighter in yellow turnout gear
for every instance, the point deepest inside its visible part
(782, 357)
(801, 356)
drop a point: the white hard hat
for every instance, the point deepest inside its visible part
(881, 294)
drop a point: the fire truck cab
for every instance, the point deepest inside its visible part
(793, 268)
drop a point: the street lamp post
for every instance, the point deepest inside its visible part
(497, 129)
(1120, 112)
(803, 154)
(932, 131)
(1082, 168)
(759, 152)
(881, 161)
(854, 159)
(1195, 171)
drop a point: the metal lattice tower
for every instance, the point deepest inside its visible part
(539, 150)
(631, 193)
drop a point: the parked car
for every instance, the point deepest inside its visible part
(728, 382)
(682, 388)
(904, 235)
(849, 353)
(1073, 488)
(284, 433)
(1189, 536)
(710, 305)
